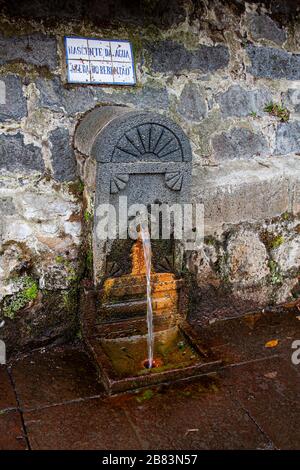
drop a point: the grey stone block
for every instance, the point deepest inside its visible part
(237, 101)
(291, 99)
(290, 168)
(51, 94)
(242, 191)
(296, 198)
(287, 255)
(150, 98)
(247, 258)
(268, 62)
(81, 99)
(36, 49)
(169, 56)
(192, 104)
(238, 143)
(7, 206)
(254, 296)
(14, 106)
(15, 156)
(263, 27)
(72, 100)
(63, 158)
(288, 138)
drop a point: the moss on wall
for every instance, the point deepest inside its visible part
(21, 299)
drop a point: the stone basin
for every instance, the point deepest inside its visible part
(178, 355)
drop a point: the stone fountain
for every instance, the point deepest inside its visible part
(147, 158)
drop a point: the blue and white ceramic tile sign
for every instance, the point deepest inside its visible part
(99, 61)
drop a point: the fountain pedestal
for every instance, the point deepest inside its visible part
(145, 158)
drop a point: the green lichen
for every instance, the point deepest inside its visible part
(278, 111)
(210, 240)
(287, 216)
(26, 70)
(276, 276)
(8, 27)
(137, 45)
(276, 242)
(79, 334)
(185, 393)
(69, 299)
(147, 395)
(187, 38)
(72, 274)
(76, 188)
(89, 260)
(221, 267)
(28, 293)
(87, 216)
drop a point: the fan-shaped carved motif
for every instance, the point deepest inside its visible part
(118, 182)
(148, 142)
(174, 180)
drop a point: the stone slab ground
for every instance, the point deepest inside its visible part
(50, 399)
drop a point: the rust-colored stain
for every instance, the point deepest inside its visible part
(138, 260)
(164, 286)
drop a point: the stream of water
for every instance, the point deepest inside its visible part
(147, 256)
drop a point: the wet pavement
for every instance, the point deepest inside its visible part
(51, 399)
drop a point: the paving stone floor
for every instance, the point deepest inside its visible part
(51, 399)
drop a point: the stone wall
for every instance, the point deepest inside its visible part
(213, 67)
